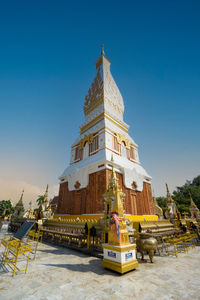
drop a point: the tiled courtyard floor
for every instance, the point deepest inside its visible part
(60, 273)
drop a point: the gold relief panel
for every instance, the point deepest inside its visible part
(95, 94)
(87, 138)
(122, 138)
(93, 105)
(114, 106)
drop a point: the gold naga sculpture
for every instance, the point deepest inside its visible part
(158, 209)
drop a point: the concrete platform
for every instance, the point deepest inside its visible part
(60, 273)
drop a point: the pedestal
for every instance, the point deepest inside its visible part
(120, 258)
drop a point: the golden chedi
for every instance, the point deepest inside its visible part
(119, 254)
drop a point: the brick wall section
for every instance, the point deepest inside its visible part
(90, 200)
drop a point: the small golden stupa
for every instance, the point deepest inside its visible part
(45, 208)
(114, 213)
(172, 212)
(194, 209)
(29, 214)
(19, 209)
(119, 253)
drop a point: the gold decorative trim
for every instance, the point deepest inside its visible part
(110, 131)
(114, 106)
(133, 161)
(98, 101)
(98, 132)
(119, 249)
(99, 118)
(122, 138)
(118, 267)
(113, 133)
(118, 123)
(87, 138)
(92, 123)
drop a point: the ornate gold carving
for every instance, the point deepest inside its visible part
(92, 123)
(114, 106)
(95, 94)
(122, 138)
(87, 138)
(115, 223)
(101, 117)
(103, 90)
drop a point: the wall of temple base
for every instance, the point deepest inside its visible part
(90, 200)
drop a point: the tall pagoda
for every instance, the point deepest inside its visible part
(104, 135)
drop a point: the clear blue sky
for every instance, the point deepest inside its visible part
(47, 54)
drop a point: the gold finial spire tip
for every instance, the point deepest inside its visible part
(102, 49)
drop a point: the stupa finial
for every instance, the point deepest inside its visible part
(102, 49)
(167, 188)
(46, 194)
(113, 183)
(22, 194)
(112, 160)
(169, 198)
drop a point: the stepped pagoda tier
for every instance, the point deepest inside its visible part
(104, 135)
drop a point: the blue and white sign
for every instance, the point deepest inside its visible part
(128, 255)
(112, 254)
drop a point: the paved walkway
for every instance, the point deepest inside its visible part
(60, 273)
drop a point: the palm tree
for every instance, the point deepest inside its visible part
(40, 199)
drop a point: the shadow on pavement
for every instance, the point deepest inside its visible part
(93, 266)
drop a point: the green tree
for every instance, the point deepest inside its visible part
(196, 181)
(6, 207)
(181, 196)
(40, 199)
(162, 203)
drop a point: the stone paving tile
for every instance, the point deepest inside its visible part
(58, 273)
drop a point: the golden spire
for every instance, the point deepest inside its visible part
(21, 198)
(102, 49)
(168, 193)
(169, 197)
(112, 160)
(46, 194)
(172, 203)
(19, 207)
(113, 183)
